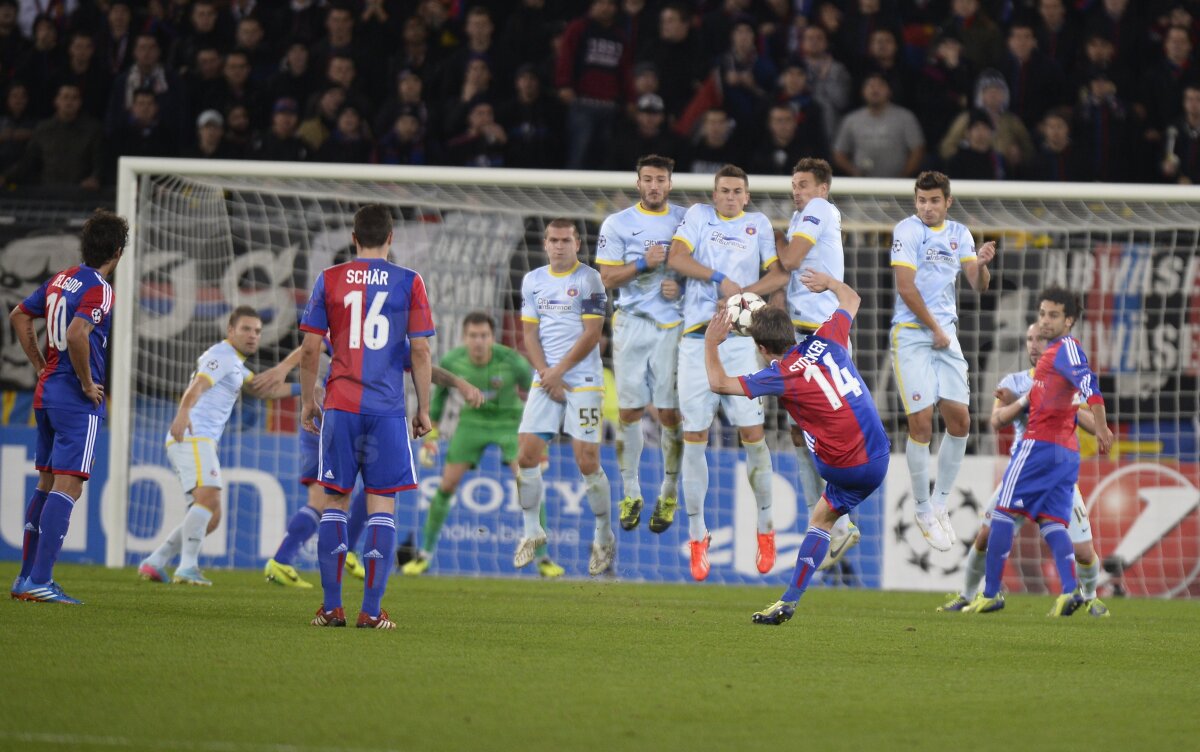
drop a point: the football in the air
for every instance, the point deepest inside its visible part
(741, 310)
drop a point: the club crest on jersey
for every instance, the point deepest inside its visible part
(916, 397)
(572, 292)
(954, 245)
(496, 381)
(750, 229)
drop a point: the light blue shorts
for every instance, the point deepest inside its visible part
(925, 376)
(645, 357)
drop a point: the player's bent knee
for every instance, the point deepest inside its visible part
(631, 414)
(695, 437)
(669, 417)
(752, 433)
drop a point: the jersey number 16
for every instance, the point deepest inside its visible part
(374, 329)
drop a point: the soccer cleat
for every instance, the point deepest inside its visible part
(334, 618)
(664, 514)
(14, 591)
(943, 518)
(51, 592)
(631, 512)
(839, 545)
(775, 614)
(354, 566)
(956, 603)
(151, 573)
(191, 576)
(377, 622)
(934, 534)
(1096, 607)
(527, 550)
(765, 558)
(699, 557)
(602, 557)
(548, 569)
(983, 605)
(418, 566)
(1066, 604)
(284, 574)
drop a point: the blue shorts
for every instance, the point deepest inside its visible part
(66, 441)
(310, 457)
(847, 487)
(375, 445)
(1040, 481)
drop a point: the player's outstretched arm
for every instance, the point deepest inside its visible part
(792, 255)
(79, 347)
(680, 260)
(718, 380)
(422, 376)
(1006, 409)
(848, 299)
(22, 323)
(310, 357)
(443, 378)
(774, 280)
(265, 385)
(977, 273)
(1104, 435)
(618, 274)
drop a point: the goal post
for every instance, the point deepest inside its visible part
(208, 235)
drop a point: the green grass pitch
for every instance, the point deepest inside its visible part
(531, 665)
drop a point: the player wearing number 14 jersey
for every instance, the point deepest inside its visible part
(817, 383)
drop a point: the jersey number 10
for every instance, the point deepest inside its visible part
(56, 321)
(843, 381)
(374, 329)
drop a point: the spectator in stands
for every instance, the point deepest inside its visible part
(407, 98)
(1011, 137)
(340, 40)
(1057, 157)
(746, 79)
(717, 145)
(782, 147)
(476, 87)
(236, 88)
(483, 142)
(944, 86)
(13, 44)
(810, 127)
(646, 133)
(526, 32)
(677, 58)
(828, 80)
(883, 56)
(295, 78)
(880, 140)
(479, 30)
(1103, 129)
(210, 138)
(349, 142)
(202, 31)
(251, 39)
(305, 19)
(592, 77)
(1034, 79)
(1162, 83)
(714, 28)
(638, 20)
(776, 27)
(533, 122)
(645, 81)
(323, 119)
(43, 65)
(1058, 35)
(66, 150)
(280, 143)
(417, 54)
(976, 158)
(142, 134)
(1099, 56)
(853, 42)
(1181, 160)
(116, 43)
(983, 42)
(85, 71)
(403, 143)
(342, 70)
(16, 124)
(206, 79)
(1116, 20)
(56, 11)
(238, 130)
(147, 72)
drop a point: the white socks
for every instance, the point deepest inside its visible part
(1089, 578)
(671, 441)
(760, 474)
(164, 554)
(629, 455)
(695, 486)
(194, 527)
(976, 566)
(917, 455)
(950, 457)
(600, 500)
(529, 494)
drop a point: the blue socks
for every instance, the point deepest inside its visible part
(812, 552)
(379, 550)
(1059, 541)
(53, 524)
(331, 555)
(1000, 541)
(300, 528)
(33, 516)
(358, 517)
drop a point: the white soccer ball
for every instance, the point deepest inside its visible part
(741, 309)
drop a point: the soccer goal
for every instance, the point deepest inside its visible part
(207, 236)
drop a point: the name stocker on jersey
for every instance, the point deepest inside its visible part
(937, 256)
(558, 304)
(624, 238)
(820, 223)
(224, 369)
(739, 247)
(78, 292)
(370, 308)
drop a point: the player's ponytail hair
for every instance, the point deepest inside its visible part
(1072, 307)
(104, 236)
(772, 330)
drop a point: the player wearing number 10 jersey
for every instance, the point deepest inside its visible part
(817, 383)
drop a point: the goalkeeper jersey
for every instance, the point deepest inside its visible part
(501, 380)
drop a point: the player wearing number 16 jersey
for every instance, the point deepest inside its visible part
(377, 317)
(69, 399)
(817, 383)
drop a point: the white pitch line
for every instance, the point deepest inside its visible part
(126, 742)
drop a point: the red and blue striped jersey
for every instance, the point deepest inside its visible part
(369, 308)
(1061, 371)
(78, 292)
(817, 383)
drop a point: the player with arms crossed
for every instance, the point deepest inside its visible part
(632, 256)
(192, 439)
(69, 400)
(498, 375)
(562, 311)
(817, 383)
(1040, 479)
(928, 251)
(1011, 408)
(723, 250)
(377, 317)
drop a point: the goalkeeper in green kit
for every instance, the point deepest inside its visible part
(502, 375)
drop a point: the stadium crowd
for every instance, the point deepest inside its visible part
(1101, 90)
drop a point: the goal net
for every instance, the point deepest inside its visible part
(208, 236)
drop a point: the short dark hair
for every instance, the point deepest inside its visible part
(243, 311)
(819, 168)
(1072, 307)
(772, 329)
(731, 171)
(561, 222)
(932, 180)
(478, 317)
(654, 160)
(372, 225)
(104, 237)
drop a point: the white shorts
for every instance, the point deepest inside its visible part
(698, 403)
(579, 417)
(1079, 528)
(645, 357)
(925, 376)
(194, 461)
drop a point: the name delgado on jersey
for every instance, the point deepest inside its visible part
(63, 282)
(366, 276)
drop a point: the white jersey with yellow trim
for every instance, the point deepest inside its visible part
(820, 223)
(937, 255)
(624, 238)
(223, 367)
(739, 247)
(558, 304)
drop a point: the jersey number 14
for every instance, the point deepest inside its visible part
(372, 330)
(843, 381)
